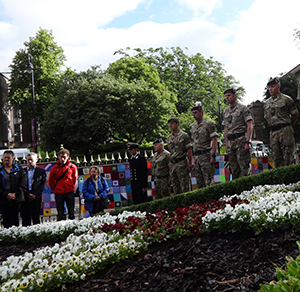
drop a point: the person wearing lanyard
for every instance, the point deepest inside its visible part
(36, 181)
(12, 187)
(94, 189)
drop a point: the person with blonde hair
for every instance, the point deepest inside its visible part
(95, 191)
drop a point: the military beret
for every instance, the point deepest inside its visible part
(273, 81)
(230, 90)
(173, 120)
(158, 141)
(132, 145)
(197, 106)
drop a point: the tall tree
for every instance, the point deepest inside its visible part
(47, 60)
(93, 107)
(132, 69)
(136, 71)
(191, 78)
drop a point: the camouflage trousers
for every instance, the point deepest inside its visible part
(180, 177)
(162, 188)
(204, 170)
(283, 146)
(239, 158)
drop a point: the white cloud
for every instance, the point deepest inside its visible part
(74, 23)
(200, 6)
(255, 45)
(263, 45)
(197, 35)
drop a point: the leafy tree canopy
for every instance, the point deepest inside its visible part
(47, 60)
(93, 107)
(191, 78)
(132, 69)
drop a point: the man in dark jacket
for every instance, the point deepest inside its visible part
(62, 180)
(12, 186)
(36, 180)
(139, 174)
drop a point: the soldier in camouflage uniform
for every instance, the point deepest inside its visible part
(160, 170)
(204, 135)
(237, 122)
(179, 145)
(281, 114)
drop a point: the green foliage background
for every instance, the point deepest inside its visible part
(130, 101)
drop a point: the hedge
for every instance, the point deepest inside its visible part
(282, 175)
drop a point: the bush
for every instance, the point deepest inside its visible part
(282, 175)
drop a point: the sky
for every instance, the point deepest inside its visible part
(253, 39)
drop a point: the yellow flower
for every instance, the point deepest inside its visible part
(55, 270)
(25, 283)
(40, 282)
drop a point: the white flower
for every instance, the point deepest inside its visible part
(70, 272)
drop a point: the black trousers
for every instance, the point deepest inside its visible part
(10, 214)
(30, 210)
(139, 196)
(60, 200)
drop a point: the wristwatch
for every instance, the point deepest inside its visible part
(213, 155)
(248, 142)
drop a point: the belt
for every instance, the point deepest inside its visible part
(278, 127)
(178, 159)
(235, 136)
(200, 152)
(161, 177)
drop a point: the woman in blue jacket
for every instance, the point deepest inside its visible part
(95, 190)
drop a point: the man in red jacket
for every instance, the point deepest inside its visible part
(62, 180)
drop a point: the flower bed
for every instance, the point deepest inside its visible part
(88, 248)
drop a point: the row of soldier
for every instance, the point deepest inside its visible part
(167, 167)
(173, 167)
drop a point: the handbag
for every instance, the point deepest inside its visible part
(105, 202)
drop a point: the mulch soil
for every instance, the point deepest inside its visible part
(211, 262)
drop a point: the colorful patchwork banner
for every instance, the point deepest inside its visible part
(118, 180)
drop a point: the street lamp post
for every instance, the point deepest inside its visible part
(30, 69)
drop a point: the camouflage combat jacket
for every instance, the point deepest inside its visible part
(279, 110)
(178, 144)
(235, 119)
(160, 164)
(202, 133)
